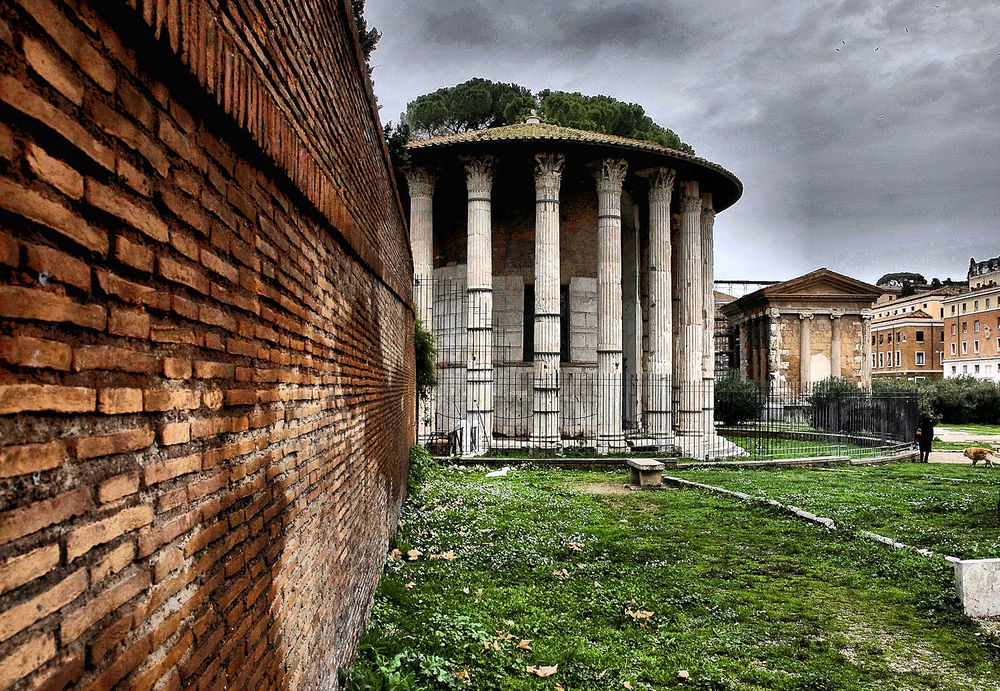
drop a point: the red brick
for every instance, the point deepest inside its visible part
(184, 274)
(118, 486)
(205, 369)
(176, 368)
(168, 501)
(181, 144)
(126, 322)
(52, 70)
(132, 292)
(167, 399)
(212, 399)
(107, 640)
(212, 483)
(169, 469)
(26, 658)
(81, 540)
(59, 266)
(19, 570)
(55, 172)
(113, 562)
(185, 210)
(9, 252)
(21, 616)
(136, 104)
(62, 674)
(31, 458)
(169, 562)
(134, 254)
(8, 143)
(133, 177)
(175, 433)
(26, 351)
(114, 124)
(37, 108)
(25, 303)
(116, 401)
(214, 263)
(151, 539)
(106, 445)
(34, 207)
(111, 358)
(19, 398)
(128, 210)
(33, 517)
(100, 606)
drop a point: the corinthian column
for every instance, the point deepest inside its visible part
(479, 323)
(421, 184)
(610, 175)
(708, 288)
(658, 414)
(690, 331)
(805, 350)
(545, 418)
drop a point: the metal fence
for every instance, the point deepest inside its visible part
(490, 398)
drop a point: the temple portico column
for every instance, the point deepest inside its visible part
(708, 288)
(661, 336)
(421, 184)
(610, 175)
(690, 331)
(545, 416)
(743, 354)
(866, 347)
(835, 350)
(479, 299)
(805, 350)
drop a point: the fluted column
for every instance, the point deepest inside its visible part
(421, 185)
(610, 175)
(545, 416)
(805, 350)
(661, 336)
(835, 349)
(690, 330)
(479, 322)
(708, 291)
(866, 347)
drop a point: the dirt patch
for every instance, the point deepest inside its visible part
(603, 488)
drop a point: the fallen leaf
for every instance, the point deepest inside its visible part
(627, 684)
(559, 687)
(414, 554)
(561, 573)
(479, 592)
(543, 671)
(448, 556)
(410, 585)
(683, 674)
(525, 644)
(395, 555)
(508, 622)
(596, 584)
(601, 675)
(639, 614)
(462, 674)
(465, 590)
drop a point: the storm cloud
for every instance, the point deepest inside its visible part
(867, 135)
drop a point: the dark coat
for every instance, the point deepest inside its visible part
(925, 435)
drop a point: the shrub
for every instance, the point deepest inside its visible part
(425, 352)
(737, 400)
(832, 389)
(421, 465)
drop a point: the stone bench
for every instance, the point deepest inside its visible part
(646, 472)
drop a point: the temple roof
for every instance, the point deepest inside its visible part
(532, 132)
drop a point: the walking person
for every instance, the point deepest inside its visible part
(925, 435)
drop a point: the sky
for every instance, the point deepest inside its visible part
(866, 133)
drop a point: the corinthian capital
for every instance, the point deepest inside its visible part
(421, 181)
(690, 199)
(548, 174)
(611, 174)
(479, 175)
(707, 210)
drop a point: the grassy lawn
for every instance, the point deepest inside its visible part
(974, 428)
(614, 590)
(949, 509)
(938, 445)
(774, 448)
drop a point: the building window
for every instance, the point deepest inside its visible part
(965, 327)
(975, 305)
(953, 309)
(942, 336)
(965, 307)
(919, 337)
(975, 326)
(942, 312)
(873, 339)
(977, 369)
(987, 307)
(898, 359)
(880, 337)
(952, 348)
(954, 329)
(965, 347)
(975, 346)
(881, 360)
(965, 369)
(919, 357)
(874, 362)
(953, 369)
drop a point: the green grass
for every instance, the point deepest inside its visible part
(741, 597)
(971, 428)
(949, 509)
(775, 448)
(938, 445)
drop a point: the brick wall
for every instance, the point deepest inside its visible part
(206, 388)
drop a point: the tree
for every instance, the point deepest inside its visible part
(480, 103)
(471, 105)
(606, 115)
(903, 278)
(737, 400)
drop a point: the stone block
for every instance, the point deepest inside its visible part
(977, 584)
